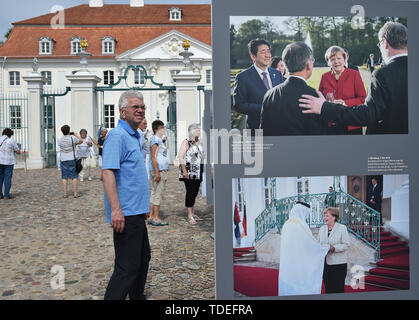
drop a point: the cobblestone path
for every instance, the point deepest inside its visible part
(40, 229)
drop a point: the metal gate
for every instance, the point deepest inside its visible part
(171, 112)
(14, 115)
(48, 130)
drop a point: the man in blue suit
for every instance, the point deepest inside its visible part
(252, 84)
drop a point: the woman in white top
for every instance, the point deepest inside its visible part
(336, 262)
(67, 146)
(8, 149)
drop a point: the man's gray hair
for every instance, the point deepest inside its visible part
(296, 55)
(123, 100)
(395, 33)
(192, 127)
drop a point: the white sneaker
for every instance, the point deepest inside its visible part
(81, 179)
(90, 179)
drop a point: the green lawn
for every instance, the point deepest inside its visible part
(315, 78)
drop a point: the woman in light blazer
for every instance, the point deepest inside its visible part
(335, 266)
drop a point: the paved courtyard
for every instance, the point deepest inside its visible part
(40, 229)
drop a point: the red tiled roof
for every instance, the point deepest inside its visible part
(24, 41)
(125, 14)
(142, 24)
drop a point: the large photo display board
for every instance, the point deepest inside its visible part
(315, 198)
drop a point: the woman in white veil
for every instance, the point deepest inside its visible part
(301, 257)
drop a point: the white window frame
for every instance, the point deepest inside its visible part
(108, 41)
(15, 116)
(48, 76)
(139, 77)
(107, 77)
(304, 183)
(75, 41)
(208, 76)
(16, 79)
(109, 116)
(44, 41)
(269, 190)
(175, 14)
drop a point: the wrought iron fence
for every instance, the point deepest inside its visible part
(360, 219)
(171, 141)
(48, 127)
(14, 115)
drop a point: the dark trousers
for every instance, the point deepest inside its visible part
(377, 207)
(132, 257)
(6, 173)
(192, 190)
(334, 277)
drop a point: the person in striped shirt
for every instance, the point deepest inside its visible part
(8, 151)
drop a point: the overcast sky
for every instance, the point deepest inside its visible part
(17, 10)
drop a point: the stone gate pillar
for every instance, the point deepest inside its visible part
(84, 102)
(35, 82)
(187, 103)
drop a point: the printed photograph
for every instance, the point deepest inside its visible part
(320, 235)
(319, 75)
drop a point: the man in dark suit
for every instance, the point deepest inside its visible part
(330, 200)
(280, 114)
(375, 196)
(385, 109)
(348, 64)
(371, 63)
(251, 84)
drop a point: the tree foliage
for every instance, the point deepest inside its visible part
(324, 32)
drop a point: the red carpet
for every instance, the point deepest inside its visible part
(245, 249)
(390, 273)
(263, 282)
(244, 254)
(255, 281)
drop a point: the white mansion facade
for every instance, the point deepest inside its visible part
(118, 36)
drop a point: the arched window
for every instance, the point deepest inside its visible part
(75, 45)
(175, 14)
(108, 45)
(45, 45)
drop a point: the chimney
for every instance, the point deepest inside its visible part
(96, 3)
(136, 3)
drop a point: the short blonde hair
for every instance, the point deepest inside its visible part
(333, 50)
(334, 212)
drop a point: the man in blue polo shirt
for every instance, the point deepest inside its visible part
(127, 200)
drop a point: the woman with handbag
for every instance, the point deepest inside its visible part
(191, 159)
(68, 160)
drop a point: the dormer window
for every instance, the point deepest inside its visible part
(175, 14)
(75, 45)
(108, 45)
(45, 45)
